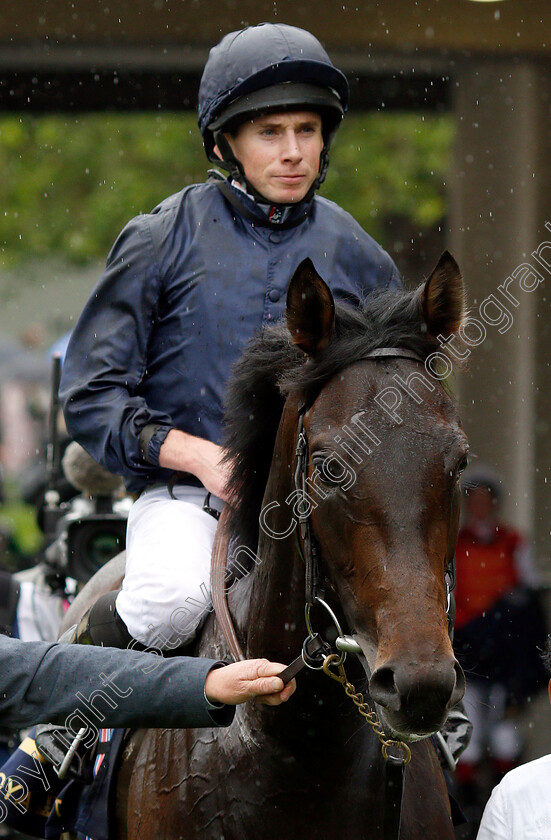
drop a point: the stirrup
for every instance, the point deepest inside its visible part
(71, 758)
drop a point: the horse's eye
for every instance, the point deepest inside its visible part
(327, 471)
(463, 464)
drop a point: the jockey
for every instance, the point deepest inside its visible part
(184, 289)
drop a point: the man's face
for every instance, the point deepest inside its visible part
(481, 504)
(280, 153)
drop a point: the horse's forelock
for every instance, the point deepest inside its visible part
(272, 369)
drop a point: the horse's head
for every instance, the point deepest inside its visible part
(385, 453)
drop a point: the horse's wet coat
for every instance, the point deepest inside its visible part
(386, 533)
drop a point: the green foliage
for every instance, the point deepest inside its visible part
(385, 166)
(18, 520)
(71, 183)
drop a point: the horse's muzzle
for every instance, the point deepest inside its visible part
(415, 699)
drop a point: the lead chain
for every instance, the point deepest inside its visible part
(334, 660)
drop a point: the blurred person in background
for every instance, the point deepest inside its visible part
(499, 624)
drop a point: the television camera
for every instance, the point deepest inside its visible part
(82, 534)
(91, 527)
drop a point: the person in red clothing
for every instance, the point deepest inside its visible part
(492, 558)
(498, 626)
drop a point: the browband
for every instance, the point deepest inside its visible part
(392, 353)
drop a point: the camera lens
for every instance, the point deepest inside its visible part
(91, 543)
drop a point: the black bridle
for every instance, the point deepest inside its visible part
(307, 545)
(314, 648)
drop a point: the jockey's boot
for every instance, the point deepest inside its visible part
(101, 625)
(70, 752)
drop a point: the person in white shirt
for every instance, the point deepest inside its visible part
(520, 805)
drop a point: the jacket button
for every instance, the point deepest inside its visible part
(275, 236)
(274, 295)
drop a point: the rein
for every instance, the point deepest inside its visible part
(316, 653)
(218, 585)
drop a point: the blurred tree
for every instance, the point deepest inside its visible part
(390, 166)
(70, 183)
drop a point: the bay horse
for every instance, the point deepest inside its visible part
(381, 484)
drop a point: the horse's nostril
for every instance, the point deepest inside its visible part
(382, 689)
(422, 694)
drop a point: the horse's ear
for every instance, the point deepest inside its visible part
(310, 310)
(443, 298)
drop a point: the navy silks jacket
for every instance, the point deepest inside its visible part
(185, 288)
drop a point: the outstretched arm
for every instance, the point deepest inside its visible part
(52, 682)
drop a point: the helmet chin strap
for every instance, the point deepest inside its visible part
(227, 160)
(231, 164)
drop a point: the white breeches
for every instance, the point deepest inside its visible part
(165, 594)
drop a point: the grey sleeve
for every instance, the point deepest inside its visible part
(41, 682)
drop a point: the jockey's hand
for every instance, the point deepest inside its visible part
(253, 678)
(203, 459)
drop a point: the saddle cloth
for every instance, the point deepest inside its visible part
(34, 801)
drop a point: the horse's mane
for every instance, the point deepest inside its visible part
(272, 368)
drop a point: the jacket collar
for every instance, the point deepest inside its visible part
(275, 216)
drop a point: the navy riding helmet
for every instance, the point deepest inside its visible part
(264, 68)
